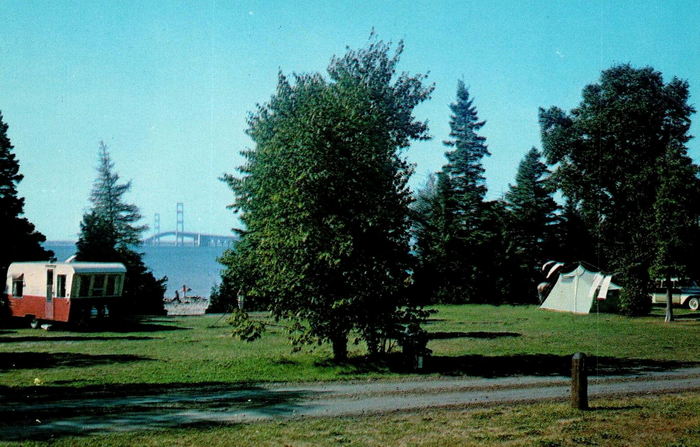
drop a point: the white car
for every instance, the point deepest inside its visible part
(685, 293)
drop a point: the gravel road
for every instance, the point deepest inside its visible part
(190, 407)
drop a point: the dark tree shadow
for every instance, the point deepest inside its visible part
(479, 334)
(503, 366)
(687, 317)
(170, 410)
(127, 327)
(615, 408)
(70, 338)
(434, 320)
(42, 360)
(63, 390)
(13, 323)
(540, 365)
(285, 361)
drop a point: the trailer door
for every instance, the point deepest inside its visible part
(49, 294)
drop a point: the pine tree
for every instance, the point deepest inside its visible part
(433, 226)
(464, 168)
(109, 233)
(532, 221)
(19, 240)
(108, 203)
(457, 265)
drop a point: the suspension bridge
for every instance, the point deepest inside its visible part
(186, 238)
(180, 238)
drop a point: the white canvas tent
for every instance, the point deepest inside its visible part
(578, 290)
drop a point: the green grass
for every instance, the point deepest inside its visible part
(671, 421)
(557, 333)
(475, 340)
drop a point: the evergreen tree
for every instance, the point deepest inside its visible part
(433, 228)
(19, 240)
(464, 166)
(609, 152)
(109, 233)
(98, 239)
(324, 198)
(455, 263)
(532, 219)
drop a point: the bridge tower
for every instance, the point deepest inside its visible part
(180, 226)
(156, 229)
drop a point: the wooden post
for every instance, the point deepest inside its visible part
(579, 382)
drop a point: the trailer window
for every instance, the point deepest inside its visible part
(84, 282)
(61, 286)
(18, 287)
(118, 280)
(112, 285)
(98, 285)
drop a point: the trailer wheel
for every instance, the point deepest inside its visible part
(694, 303)
(34, 324)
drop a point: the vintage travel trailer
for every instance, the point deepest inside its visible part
(63, 291)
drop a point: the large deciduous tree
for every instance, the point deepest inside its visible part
(324, 198)
(110, 232)
(675, 220)
(19, 240)
(609, 154)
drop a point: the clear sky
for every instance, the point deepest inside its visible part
(168, 84)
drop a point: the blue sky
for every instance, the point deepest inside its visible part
(168, 84)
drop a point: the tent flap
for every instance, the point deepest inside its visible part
(603, 294)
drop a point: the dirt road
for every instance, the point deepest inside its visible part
(193, 407)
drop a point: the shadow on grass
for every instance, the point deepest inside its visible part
(434, 320)
(13, 323)
(138, 324)
(541, 365)
(687, 317)
(128, 326)
(43, 360)
(285, 361)
(64, 390)
(505, 366)
(172, 409)
(63, 338)
(616, 408)
(457, 334)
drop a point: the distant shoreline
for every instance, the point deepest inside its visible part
(60, 243)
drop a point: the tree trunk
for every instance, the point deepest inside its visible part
(669, 298)
(340, 348)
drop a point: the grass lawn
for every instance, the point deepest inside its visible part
(672, 421)
(476, 340)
